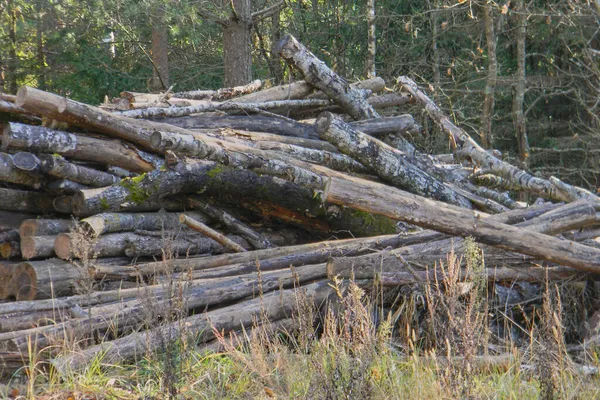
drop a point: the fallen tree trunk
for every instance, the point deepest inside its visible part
(234, 225)
(255, 123)
(33, 247)
(56, 165)
(25, 201)
(44, 279)
(239, 316)
(172, 245)
(103, 223)
(301, 89)
(427, 213)
(502, 274)
(427, 255)
(9, 173)
(40, 139)
(221, 94)
(389, 163)
(320, 76)
(224, 182)
(211, 233)
(131, 313)
(44, 227)
(553, 188)
(70, 246)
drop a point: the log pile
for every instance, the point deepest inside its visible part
(108, 214)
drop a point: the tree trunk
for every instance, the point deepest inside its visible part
(160, 51)
(44, 279)
(492, 75)
(237, 44)
(40, 139)
(390, 164)
(394, 203)
(25, 201)
(35, 247)
(520, 84)
(553, 188)
(101, 224)
(39, 36)
(13, 61)
(10, 173)
(371, 39)
(319, 75)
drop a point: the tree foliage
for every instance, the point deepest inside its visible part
(88, 50)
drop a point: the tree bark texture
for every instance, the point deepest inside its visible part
(319, 75)
(237, 43)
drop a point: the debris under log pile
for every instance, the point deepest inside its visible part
(247, 190)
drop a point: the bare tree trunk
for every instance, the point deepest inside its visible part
(519, 94)
(435, 54)
(237, 44)
(41, 58)
(160, 51)
(12, 49)
(490, 86)
(372, 40)
(276, 37)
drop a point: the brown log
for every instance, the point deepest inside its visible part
(211, 233)
(44, 279)
(100, 224)
(40, 139)
(171, 244)
(573, 215)
(44, 227)
(10, 250)
(552, 188)
(24, 201)
(7, 269)
(234, 225)
(35, 247)
(394, 203)
(320, 76)
(507, 274)
(274, 307)
(131, 313)
(70, 246)
(390, 164)
(313, 253)
(10, 323)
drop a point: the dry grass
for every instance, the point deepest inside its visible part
(431, 340)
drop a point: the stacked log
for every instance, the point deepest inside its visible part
(126, 208)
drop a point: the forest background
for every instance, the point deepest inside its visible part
(521, 76)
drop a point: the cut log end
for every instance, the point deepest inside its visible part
(23, 284)
(323, 122)
(21, 96)
(26, 161)
(63, 246)
(33, 247)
